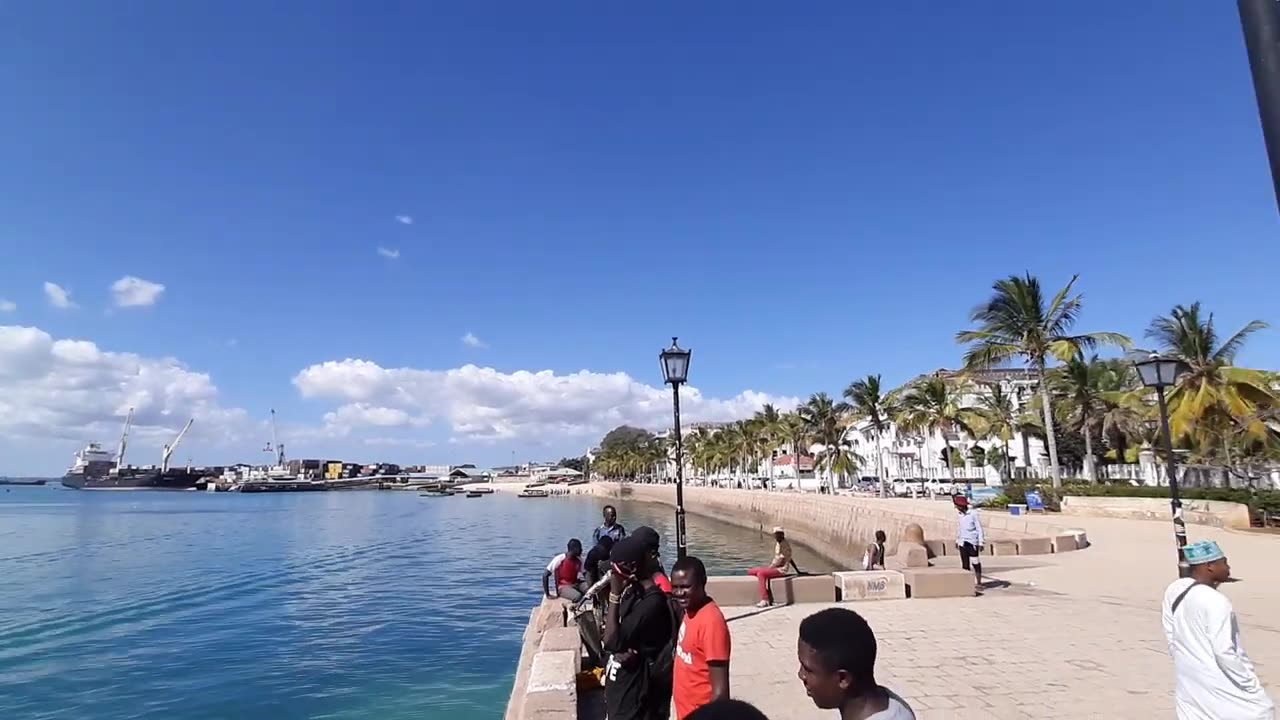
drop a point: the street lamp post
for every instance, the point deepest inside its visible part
(1260, 20)
(1160, 372)
(675, 371)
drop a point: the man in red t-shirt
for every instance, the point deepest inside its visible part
(567, 570)
(703, 645)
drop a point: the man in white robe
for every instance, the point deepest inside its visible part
(1214, 678)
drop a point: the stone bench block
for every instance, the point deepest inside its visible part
(794, 589)
(553, 671)
(550, 704)
(734, 590)
(870, 585)
(937, 548)
(561, 638)
(938, 582)
(1035, 546)
(1064, 543)
(1003, 547)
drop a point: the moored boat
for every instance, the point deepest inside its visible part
(96, 469)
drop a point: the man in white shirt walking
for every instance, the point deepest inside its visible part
(969, 539)
(1213, 677)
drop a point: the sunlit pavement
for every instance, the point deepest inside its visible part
(1071, 636)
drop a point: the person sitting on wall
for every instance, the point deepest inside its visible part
(873, 558)
(566, 567)
(597, 561)
(776, 568)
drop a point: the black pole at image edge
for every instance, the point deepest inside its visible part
(1260, 21)
(681, 547)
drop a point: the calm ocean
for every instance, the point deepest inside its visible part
(351, 605)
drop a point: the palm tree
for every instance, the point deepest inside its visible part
(769, 421)
(796, 432)
(868, 402)
(1082, 384)
(932, 405)
(825, 419)
(998, 419)
(1015, 323)
(839, 459)
(1213, 396)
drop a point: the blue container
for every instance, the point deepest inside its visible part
(1017, 509)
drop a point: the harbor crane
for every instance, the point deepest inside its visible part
(168, 449)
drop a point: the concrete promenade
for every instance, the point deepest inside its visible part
(1075, 635)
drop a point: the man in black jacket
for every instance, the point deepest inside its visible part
(639, 633)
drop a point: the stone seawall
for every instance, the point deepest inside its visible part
(840, 527)
(545, 686)
(1214, 513)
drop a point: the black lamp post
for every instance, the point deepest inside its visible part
(675, 371)
(1160, 372)
(1260, 20)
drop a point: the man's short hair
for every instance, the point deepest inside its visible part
(575, 544)
(693, 566)
(727, 709)
(842, 640)
(609, 507)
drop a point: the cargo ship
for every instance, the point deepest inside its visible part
(97, 469)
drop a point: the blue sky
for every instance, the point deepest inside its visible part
(804, 195)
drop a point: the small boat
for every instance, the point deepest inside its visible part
(538, 484)
(527, 493)
(475, 494)
(435, 493)
(481, 490)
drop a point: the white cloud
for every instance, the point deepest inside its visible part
(404, 219)
(7, 305)
(485, 404)
(73, 390)
(389, 253)
(58, 296)
(399, 442)
(130, 291)
(470, 340)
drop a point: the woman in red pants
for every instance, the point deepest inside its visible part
(776, 568)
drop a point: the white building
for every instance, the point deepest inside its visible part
(917, 455)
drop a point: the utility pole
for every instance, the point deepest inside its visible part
(1260, 20)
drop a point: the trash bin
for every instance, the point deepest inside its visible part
(1017, 509)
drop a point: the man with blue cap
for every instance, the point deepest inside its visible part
(1214, 678)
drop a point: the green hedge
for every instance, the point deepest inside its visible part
(1258, 500)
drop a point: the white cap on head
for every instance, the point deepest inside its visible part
(777, 528)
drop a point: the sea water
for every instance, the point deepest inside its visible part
(344, 605)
